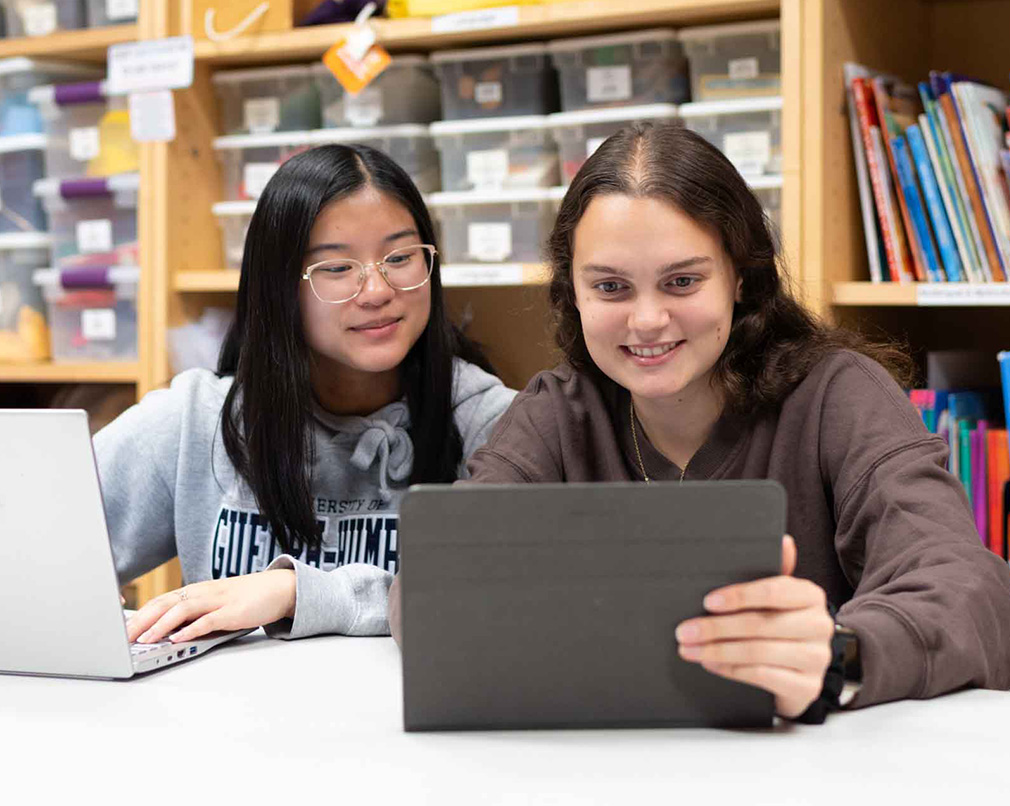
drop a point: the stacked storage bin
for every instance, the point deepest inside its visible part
(112, 12)
(90, 197)
(43, 17)
(24, 243)
(271, 115)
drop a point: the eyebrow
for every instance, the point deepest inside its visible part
(343, 247)
(593, 268)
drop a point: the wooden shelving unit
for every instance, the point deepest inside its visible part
(90, 44)
(110, 372)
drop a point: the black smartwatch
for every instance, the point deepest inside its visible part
(847, 642)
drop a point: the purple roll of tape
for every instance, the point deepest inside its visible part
(84, 188)
(90, 277)
(83, 92)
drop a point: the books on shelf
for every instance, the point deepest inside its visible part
(933, 169)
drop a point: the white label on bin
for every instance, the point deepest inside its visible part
(40, 19)
(262, 115)
(608, 84)
(750, 152)
(94, 236)
(85, 143)
(487, 92)
(152, 116)
(121, 9)
(503, 17)
(153, 64)
(365, 108)
(592, 144)
(743, 69)
(255, 176)
(489, 242)
(487, 169)
(98, 324)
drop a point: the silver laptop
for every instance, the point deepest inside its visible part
(60, 612)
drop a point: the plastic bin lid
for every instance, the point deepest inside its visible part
(503, 52)
(13, 241)
(22, 64)
(23, 142)
(49, 187)
(465, 198)
(730, 29)
(511, 124)
(628, 38)
(738, 106)
(228, 209)
(116, 275)
(399, 60)
(612, 114)
(47, 94)
(769, 182)
(233, 142)
(259, 73)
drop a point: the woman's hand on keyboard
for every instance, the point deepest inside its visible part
(236, 603)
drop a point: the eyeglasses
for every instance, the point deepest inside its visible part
(404, 269)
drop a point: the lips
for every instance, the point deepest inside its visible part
(377, 324)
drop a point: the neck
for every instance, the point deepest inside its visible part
(677, 427)
(345, 391)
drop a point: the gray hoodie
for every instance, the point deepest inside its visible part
(170, 489)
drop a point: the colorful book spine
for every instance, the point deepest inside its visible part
(998, 474)
(979, 486)
(964, 468)
(934, 202)
(875, 254)
(916, 211)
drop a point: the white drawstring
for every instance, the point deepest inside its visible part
(215, 36)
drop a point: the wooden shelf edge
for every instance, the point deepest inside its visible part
(541, 21)
(107, 372)
(89, 44)
(873, 294)
(209, 280)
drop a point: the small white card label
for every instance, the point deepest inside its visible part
(975, 294)
(743, 69)
(365, 108)
(487, 92)
(153, 64)
(487, 169)
(39, 19)
(255, 176)
(152, 116)
(94, 236)
(608, 84)
(98, 324)
(750, 152)
(503, 17)
(85, 144)
(592, 144)
(122, 9)
(469, 274)
(491, 243)
(261, 115)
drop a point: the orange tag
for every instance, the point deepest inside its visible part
(353, 73)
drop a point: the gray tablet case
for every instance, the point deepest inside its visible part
(554, 606)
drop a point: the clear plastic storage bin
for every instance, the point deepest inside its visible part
(268, 99)
(496, 82)
(632, 69)
(21, 166)
(769, 190)
(24, 334)
(579, 134)
(43, 17)
(748, 131)
(93, 222)
(233, 218)
(496, 153)
(18, 115)
(734, 61)
(112, 12)
(405, 92)
(88, 130)
(92, 312)
(249, 161)
(506, 226)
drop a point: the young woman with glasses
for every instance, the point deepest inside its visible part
(276, 481)
(688, 359)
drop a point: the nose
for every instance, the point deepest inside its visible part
(648, 317)
(376, 291)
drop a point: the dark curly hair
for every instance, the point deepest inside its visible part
(774, 341)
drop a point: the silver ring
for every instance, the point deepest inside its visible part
(183, 594)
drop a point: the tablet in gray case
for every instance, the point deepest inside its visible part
(554, 606)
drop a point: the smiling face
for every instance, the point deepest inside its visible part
(364, 340)
(655, 293)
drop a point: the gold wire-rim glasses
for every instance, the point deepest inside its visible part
(363, 272)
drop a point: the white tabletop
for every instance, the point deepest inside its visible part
(260, 720)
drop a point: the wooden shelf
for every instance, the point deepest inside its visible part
(922, 295)
(109, 372)
(874, 294)
(535, 22)
(206, 281)
(89, 44)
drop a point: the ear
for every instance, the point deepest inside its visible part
(738, 297)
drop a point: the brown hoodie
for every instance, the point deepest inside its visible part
(879, 523)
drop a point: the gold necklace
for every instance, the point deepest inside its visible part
(638, 453)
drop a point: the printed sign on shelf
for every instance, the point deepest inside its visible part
(503, 17)
(153, 64)
(152, 116)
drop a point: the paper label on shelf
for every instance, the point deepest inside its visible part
(592, 144)
(489, 242)
(608, 84)
(122, 9)
(750, 152)
(152, 116)
(743, 69)
(39, 19)
(503, 17)
(152, 64)
(487, 169)
(94, 236)
(255, 176)
(487, 92)
(261, 115)
(365, 108)
(469, 274)
(98, 324)
(986, 294)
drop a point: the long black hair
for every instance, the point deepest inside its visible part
(266, 419)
